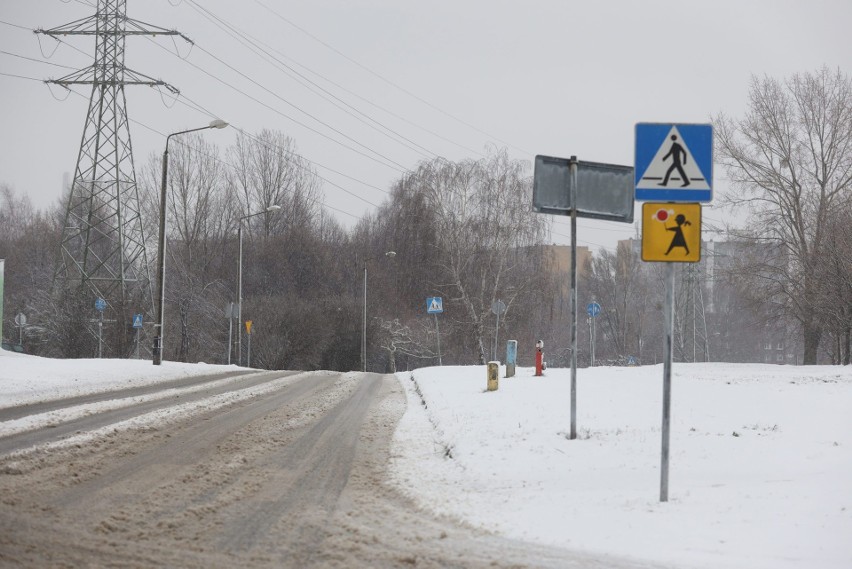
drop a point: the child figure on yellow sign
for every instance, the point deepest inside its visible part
(678, 240)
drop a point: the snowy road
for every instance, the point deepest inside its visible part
(286, 471)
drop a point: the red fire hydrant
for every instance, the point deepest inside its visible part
(539, 358)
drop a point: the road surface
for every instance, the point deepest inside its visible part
(292, 477)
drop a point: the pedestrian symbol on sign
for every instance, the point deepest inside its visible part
(434, 305)
(677, 153)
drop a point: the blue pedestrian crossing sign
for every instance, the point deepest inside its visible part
(100, 305)
(434, 305)
(674, 162)
(137, 320)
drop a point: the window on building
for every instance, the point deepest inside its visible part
(779, 346)
(780, 358)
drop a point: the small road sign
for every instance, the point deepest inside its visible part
(21, 319)
(248, 326)
(498, 307)
(593, 309)
(100, 305)
(671, 232)
(434, 305)
(674, 162)
(137, 320)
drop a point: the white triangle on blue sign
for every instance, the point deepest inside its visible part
(436, 305)
(672, 162)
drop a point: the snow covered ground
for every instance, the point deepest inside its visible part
(761, 465)
(760, 468)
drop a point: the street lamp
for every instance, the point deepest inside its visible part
(390, 254)
(271, 208)
(161, 253)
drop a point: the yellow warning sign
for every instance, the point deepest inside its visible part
(248, 326)
(671, 232)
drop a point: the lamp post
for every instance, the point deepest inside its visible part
(271, 208)
(161, 252)
(389, 254)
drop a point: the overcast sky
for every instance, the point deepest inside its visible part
(452, 77)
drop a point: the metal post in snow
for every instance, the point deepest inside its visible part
(591, 343)
(573, 201)
(364, 323)
(496, 332)
(594, 338)
(101, 335)
(667, 381)
(230, 329)
(438, 332)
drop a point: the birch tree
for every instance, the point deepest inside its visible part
(486, 235)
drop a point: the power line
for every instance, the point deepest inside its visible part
(253, 45)
(194, 105)
(16, 26)
(36, 60)
(286, 116)
(388, 81)
(233, 167)
(285, 101)
(21, 77)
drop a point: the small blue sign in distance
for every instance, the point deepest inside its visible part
(593, 309)
(434, 305)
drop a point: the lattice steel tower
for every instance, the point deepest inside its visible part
(103, 242)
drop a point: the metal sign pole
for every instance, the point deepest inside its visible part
(573, 200)
(101, 335)
(591, 344)
(667, 381)
(594, 338)
(496, 332)
(230, 329)
(438, 332)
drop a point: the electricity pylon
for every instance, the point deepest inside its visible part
(103, 241)
(691, 319)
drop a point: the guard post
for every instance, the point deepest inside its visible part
(493, 375)
(539, 358)
(511, 357)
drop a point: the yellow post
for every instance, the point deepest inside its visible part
(493, 374)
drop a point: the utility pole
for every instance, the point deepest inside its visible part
(103, 243)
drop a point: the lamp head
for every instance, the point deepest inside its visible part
(217, 123)
(390, 254)
(273, 207)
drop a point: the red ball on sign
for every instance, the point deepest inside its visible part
(662, 215)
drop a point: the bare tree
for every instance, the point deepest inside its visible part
(266, 170)
(486, 235)
(790, 163)
(618, 281)
(416, 341)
